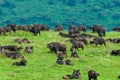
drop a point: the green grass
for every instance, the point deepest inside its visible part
(42, 63)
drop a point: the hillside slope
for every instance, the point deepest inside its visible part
(65, 12)
(42, 65)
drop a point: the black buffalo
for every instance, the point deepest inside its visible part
(115, 52)
(98, 40)
(35, 30)
(92, 75)
(20, 63)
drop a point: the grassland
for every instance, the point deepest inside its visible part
(42, 63)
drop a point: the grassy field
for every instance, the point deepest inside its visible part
(42, 65)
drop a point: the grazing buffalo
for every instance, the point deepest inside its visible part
(74, 54)
(82, 28)
(95, 28)
(20, 63)
(98, 40)
(116, 29)
(7, 29)
(13, 27)
(77, 45)
(13, 55)
(59, 28)
(56, 46)
(84, 40)
(102, 31)
(99, 29)
(115, 52)
(92, 75)
(75, 75)
(29, 49)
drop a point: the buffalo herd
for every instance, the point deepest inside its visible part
(77, 37)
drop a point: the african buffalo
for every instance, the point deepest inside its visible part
(60, 60)
(25, 40)
(75, 75)
(115, 52)
(13, 55)
(29, 49)
(99, 29)
(12, 26)
(99, 40)
(19, 41)
(74, 54)
(82, 28)
(76, 45)
(35, 30)
(68, 62)
(56, 46)
(92, 75)
(11, 48)
(20, 63)
(59, 28)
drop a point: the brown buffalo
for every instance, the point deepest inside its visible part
(56, 46)
(76, 45)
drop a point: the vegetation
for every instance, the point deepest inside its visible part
(65, 12)
(42, 65)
